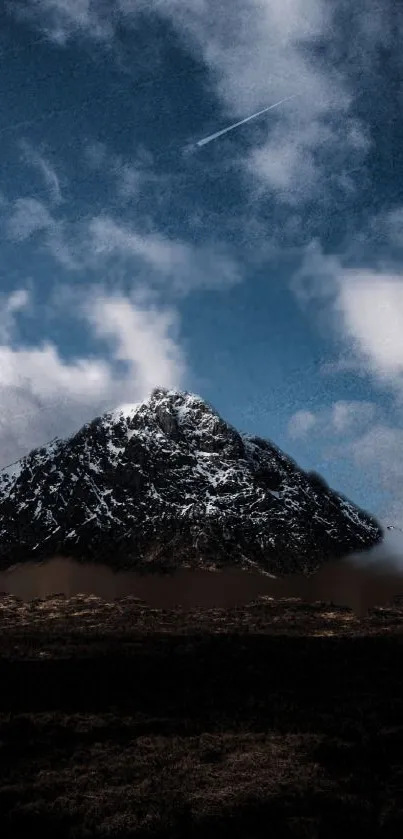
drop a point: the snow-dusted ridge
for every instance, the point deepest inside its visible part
(168, 482)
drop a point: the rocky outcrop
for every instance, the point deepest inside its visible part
(167, 484)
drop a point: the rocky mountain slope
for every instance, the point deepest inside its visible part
(168, 483)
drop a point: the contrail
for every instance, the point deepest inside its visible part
(211, 137)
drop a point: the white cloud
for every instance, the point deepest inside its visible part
(184, 266)
(256, 54)
(287, 162)
(363, 305)
(103, 243)
(317, 277)
(352, 433)
(261, 53)
(255, 51)
(280, 165)
(61, 19)
(366, 307)
(45, 168)
(65, 252)
(301, 423)
(131, 175)
(342, 417)
(370, 305)
(44, 395)
(15, 302)
(380, 446)
(140, 338)
(377, 455)
(134, 176)
(129, 180)
(28, 216)
(347, 417)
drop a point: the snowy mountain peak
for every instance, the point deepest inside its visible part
(166, 482)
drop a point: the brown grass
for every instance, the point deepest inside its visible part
(121, 721)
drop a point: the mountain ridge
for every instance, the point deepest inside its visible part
(167, 483)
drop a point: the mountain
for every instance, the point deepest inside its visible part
(169, 483)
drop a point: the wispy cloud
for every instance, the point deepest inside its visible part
(348, 417)
(96, 154)
(28, 216)
(33, 158)
(263, 53)
(377, 454)
(106, 243)
(342, 417)
(317, 277)
(131, 176)
(255, 56)
(135, 175)
(15, 302)
(181, 265)
(356, 434)
(301, 423)
(62, 19)
(388, 226)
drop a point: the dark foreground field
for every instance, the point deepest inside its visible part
(278, 720)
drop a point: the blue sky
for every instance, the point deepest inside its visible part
(263, 271)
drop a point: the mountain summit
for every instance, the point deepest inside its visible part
(168, 483)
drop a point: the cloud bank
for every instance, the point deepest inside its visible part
(45, 395)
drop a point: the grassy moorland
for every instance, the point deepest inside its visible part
(279, 719)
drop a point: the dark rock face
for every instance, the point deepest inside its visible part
(168, 483)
